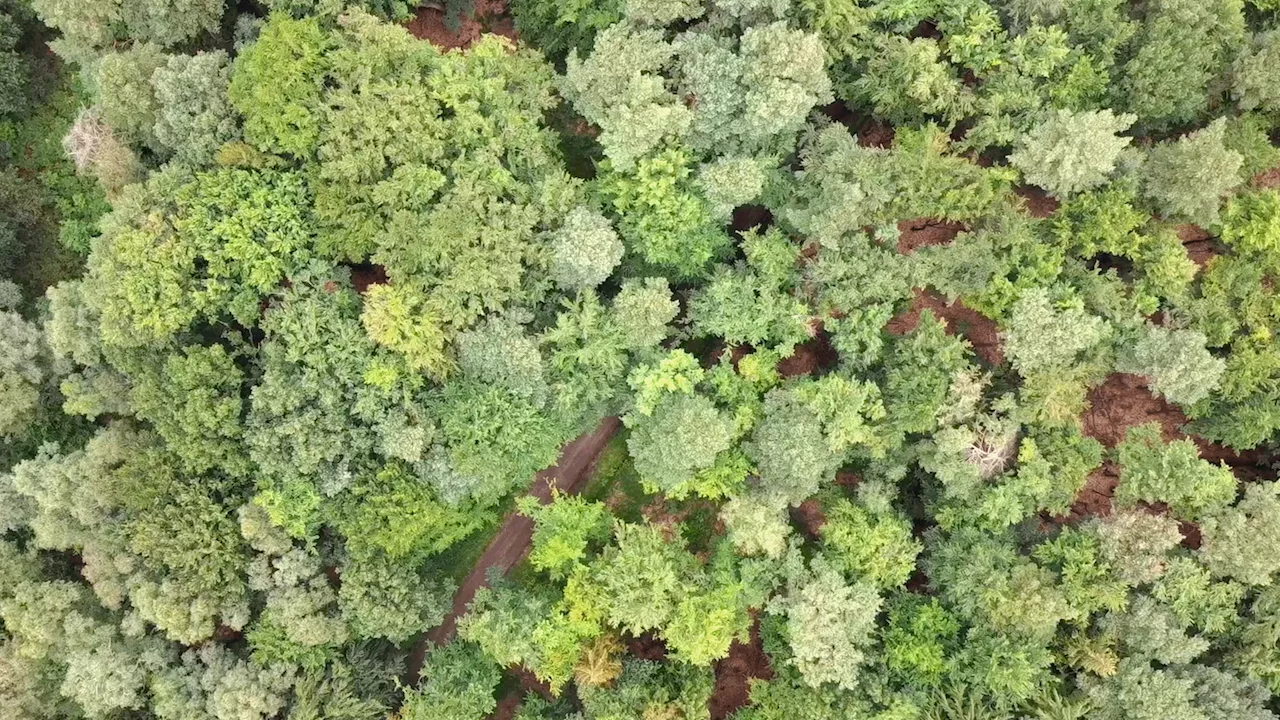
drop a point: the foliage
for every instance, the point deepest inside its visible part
(1153, 471)
(195, 118)
(829, 624)
(1187, 178)
(1071, 152)
(332, 296)
(457, 683)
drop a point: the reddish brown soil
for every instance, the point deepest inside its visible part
(810, 357)
(364, 276)
(1201, 246)
(751, 216)
(978, 329)
(923, 232)
(646, 647)
(810, 517)
(735, 673)
(511, 544)
(1122, 402)
(1267, 180)
(870, 131)
(1191, 538)
(846, 479)
(489, 16)
(1037, 201)
(1095, 499)
(508, 706)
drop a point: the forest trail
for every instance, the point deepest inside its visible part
(511, 544)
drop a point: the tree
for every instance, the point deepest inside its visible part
(829, 624)
(94, 148)
(194, 402)
(1042, 338)
(644, 308)
(125, 92)
(790, 450)
(194, 118)
(1237, 540)
(661, 215)
(1188, 178)
(277, 84)
(392, 511)
(907, 82)
(183, 247)
(23, 371)
(563, 530)
(619, 87)
(756, 526)
(87, 27)
(990, 585)
(920, 641)
(682, 436)
(500, 351)
(1137, 544)
(1180, 367)
(1253, 74)
(496, 437)
(586, 250)
(872, 546)
(1181, 48)
(383, 598)
(501, 620)
(1071, 152)
(706, 623)
(457, 683)
(644, 576)
(1153, 471)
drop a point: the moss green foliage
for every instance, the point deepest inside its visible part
(897, 303)
(1187, 179)
(1173, 473)
(1072, 152)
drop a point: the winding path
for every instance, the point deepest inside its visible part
(511, 544)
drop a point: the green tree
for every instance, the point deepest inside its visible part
(195, 118)
(829, 624)
(381, 597)
(1173, 473)
(23, 371)
(125, 92)
(661, 216)
(1176, 362)
(1181, 49)
(683, 435)
(563, 530)
(872, 546)
(458, 683)
(906, 81)
(644, 576)
(277, 85)
(586, 250)
(1071, 152)
(1188, 178)
(1237, 540)
(1254, 75)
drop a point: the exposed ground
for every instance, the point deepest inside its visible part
(430, 24)
(978, 329)
(734, 674)
(510, 545)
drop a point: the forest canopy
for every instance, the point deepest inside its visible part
(639, 360)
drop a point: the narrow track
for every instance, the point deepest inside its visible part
(511, 544)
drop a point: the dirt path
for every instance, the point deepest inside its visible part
(511, 544)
